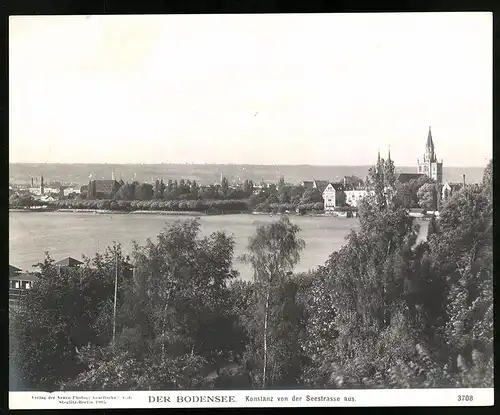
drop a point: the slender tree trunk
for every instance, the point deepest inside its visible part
(164, 323)
(274, 373)
(116, 294)
(266, 311)
(384, 289)
(163, 344)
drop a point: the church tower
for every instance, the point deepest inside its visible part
(430, 165)
(42, 186)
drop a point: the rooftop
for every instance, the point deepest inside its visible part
(406, 177)
(337, 185)
(68, 262)
(321, 184)
(355, 188)
(13, 270)
(23, 277)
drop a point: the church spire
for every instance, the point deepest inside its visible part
(430, 143)
(429, 147)
(389, 153)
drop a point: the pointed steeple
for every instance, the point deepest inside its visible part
(430, 143)
(429, 148)
(389, 153)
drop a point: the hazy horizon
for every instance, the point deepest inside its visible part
(234, 164)
(208, 173)
(289, 89)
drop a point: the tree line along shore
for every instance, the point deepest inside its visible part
(189, 197)
(191, 206)
(382, 312)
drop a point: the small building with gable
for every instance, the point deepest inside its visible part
(19, 283)
(333, 196)
(449, 189)
(320, 185)
(68, 262)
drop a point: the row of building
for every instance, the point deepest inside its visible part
(40, 191)
(337, 193)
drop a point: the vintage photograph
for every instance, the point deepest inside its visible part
(250, 202)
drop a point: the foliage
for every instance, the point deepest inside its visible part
(407, 193)
(65, 309)
(202, 206)
(353, 182)
(224, 186)
(311, 196)
(399, 315)
(175, 319)
(428, 196)
(383, 311)
(24, 201)
(273, 252)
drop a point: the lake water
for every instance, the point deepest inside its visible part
(74, 234)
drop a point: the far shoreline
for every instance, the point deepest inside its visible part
(166, 213)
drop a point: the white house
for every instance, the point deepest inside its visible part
(35, 191)
(353, 196)
(51, 190)
(68, 190)
(331, 196)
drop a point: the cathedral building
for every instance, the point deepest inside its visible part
(429, 165)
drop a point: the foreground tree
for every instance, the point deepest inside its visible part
(66, 309)
(462, 253)
(273, 252)
(175, 313)
(488, 180)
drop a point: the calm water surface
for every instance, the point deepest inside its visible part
(74, 234)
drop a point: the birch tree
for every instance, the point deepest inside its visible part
(273, 252)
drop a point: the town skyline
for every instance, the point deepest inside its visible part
(127, 93)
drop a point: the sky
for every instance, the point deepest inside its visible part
(320, 89)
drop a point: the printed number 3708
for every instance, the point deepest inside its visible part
(465, 398)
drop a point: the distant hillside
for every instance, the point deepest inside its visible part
(207, 173)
